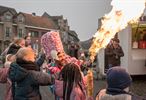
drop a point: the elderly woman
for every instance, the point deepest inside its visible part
(25, 76)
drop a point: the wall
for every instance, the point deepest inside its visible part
(134, 59)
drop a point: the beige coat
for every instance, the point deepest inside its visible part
(103, 96)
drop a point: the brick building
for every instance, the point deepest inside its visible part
(66, 34)
(13, 24)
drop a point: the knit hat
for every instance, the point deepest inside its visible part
(118, 78)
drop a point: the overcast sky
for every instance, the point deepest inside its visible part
(82, 15)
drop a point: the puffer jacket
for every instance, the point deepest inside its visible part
(27, 82)
(76, 94)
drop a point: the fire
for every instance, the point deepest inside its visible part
(122, 13)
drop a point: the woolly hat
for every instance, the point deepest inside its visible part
(118, 78)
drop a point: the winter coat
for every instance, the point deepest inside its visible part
(76, 94)
(40, 60)
(113, 55)
(27, 81)
(4, 76)
(4, 79)
(102, 95)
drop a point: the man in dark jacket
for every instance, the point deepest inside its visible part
(113, 53)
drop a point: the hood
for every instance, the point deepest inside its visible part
(17, 73)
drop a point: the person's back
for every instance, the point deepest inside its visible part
(118, 82)
(104, 96)
(71, 86)
(26, 78)
(76, 93)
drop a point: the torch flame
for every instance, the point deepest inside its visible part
(122, 13)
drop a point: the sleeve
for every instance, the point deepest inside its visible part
(41, 60)
(100, 94)
(119, 52)
(43, 78)
(3, 75)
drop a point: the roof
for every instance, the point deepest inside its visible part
(39, 21)
(86, 44)
(74, 34)
(4, 9)
(71, 32)
(57, 17)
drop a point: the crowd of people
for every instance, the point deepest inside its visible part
(23, 75)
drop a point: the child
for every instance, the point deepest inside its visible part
(71, 85)
(118, 83)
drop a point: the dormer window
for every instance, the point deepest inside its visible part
(8, 17)
(20, 19)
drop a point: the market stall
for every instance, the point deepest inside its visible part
(132, 40)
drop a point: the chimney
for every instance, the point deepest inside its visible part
(33, 14)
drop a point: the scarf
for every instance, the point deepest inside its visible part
(28, 65)
(115, 91)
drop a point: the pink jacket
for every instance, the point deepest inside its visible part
(4, 79)
(76, 93)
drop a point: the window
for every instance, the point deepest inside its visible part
(20, 33)
(20, 19)
(35, 34)
(43, 33)
(8, 31)
(8, 17)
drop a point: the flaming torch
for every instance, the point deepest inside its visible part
(122, 13)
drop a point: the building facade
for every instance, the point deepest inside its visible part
(66, 34)
(13, 24)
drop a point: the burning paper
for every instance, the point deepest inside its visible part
(122, 13)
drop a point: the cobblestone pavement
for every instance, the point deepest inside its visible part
(138, 87)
